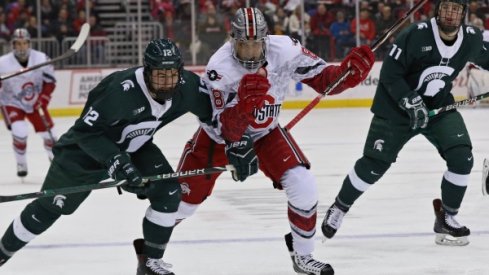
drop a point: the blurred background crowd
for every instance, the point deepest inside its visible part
(120, 27)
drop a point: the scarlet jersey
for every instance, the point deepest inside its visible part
(23, 90)
(286, 60)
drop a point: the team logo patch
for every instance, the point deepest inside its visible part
(426, 48)
(379, 145)
(213, 75)
(127, 84)
(59, 201)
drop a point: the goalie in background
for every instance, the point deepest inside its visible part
(22, 96)
(416, 77)
(477, 78)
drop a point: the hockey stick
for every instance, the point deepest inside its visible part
(46, 124)
(111, 183)
(80, 40)
(457, 104)
(340, 79)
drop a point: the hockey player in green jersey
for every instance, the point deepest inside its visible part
(417, 76)
(113, 137)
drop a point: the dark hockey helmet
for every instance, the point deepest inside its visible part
(450, 20)
(21, 52)
(163, 66)
(249, 32)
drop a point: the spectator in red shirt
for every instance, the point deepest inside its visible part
(320, 34)
(367, 27)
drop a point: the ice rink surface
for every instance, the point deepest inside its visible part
(239, 230)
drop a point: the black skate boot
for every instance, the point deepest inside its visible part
(148, 266)
(306, 264)
(448, 231)
(332, 221)
(21, 170)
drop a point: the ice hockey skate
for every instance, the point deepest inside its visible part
(148, 266)
(306, 264)
(332, 221)
(21, 170)
(485, 177)
(448, 231)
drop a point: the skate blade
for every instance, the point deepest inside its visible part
(447, 240)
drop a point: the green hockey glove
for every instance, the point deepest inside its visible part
(418, 113)
(120, 167)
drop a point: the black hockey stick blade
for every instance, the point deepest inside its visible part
(457, 104)
(112, 183)
(80, 40)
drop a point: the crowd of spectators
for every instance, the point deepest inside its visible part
(330, 26)
(59, 18)
(329, 31)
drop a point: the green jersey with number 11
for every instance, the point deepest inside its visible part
(421, 61)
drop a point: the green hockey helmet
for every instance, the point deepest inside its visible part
(450, 19)
(163, 66)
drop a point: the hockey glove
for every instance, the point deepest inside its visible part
(251, 91)
(359, 61)
(42, 101)
(121, 168)
(418, 113)
(243, 157)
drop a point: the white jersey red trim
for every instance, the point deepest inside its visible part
(286, 60)
(23, 90)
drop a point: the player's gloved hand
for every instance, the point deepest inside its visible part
(251, 91)
(359, 61)
(42, 101)
(120, 167)
(418, 113)
(243, 157)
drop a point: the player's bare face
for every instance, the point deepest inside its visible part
(164, 80)
(21, 49)
(249, 50)
(451, 15)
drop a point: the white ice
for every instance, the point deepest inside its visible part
(239, 230)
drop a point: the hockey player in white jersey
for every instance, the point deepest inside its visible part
(249, 78)
(22, 96)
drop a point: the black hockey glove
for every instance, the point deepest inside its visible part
(418, 113)
(120, 167)
(243, 157)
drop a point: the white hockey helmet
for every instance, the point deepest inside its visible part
(21, 34)
(249, 31)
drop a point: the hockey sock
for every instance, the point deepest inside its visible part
(452, 196)
(348, 194)
(33, 220)
(157, 229)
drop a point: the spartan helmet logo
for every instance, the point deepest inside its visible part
(58, 200)
(127, 84)
(379, 145)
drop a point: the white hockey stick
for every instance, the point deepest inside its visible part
(80, 40)
(485, 177)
